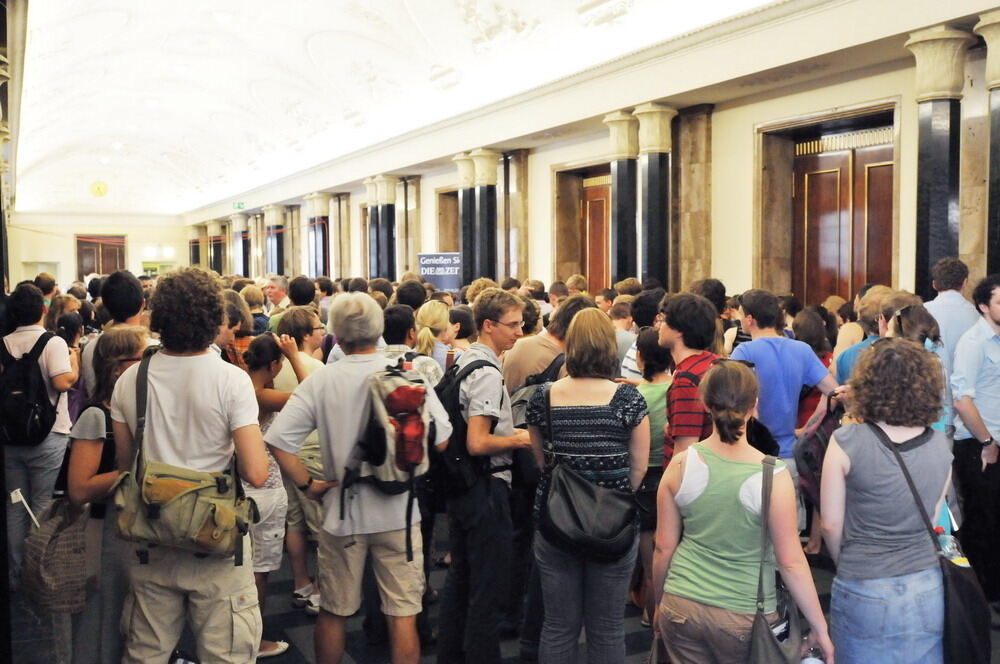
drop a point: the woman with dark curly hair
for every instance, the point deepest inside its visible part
(888, 596)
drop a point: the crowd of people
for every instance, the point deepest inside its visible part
(678, 401)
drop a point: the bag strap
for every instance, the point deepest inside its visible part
(884, 439)
(141, 393)
(547, 439)
(551, 372)
(765, 509)
(39, 347)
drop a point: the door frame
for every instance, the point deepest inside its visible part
(76, 247)
(772, 188)
(555, 171)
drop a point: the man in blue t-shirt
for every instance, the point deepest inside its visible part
(783, 366)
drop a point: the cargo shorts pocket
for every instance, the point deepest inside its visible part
(246, 627)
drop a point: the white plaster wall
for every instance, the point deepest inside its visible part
(50, 238)
(733, 142)
(541, 201)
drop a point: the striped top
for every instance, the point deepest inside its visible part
(686, 413)
(592, 440)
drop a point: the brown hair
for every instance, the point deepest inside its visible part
(871, 308)
(297, 322)
(237, 310)
(729, 392)
(949, 274)
(57, 307)
(591, 349)
(562, 317)
(187, 309)
(628, 286)
(915, 323)
(810, 329)
(898, 382)
(577, 281)
(897, 300)
(492, 304)
(116, 344)
(477, 287)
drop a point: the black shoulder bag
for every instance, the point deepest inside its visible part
(966, 612)
(580, 517)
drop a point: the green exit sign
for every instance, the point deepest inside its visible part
(240, 205)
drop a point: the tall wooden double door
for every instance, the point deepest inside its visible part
(842, 233)
(100, 254)
(596, 230)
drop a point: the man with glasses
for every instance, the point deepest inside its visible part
(479, 525)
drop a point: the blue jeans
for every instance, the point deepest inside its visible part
(582, 593)
(892, 620)
(33, 470)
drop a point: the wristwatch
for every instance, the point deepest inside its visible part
(989, 441)
(305, 487)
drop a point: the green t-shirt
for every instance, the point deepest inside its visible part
(656, 402)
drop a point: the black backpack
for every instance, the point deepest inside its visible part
(26, 414)
(525, 471)
(455, 471)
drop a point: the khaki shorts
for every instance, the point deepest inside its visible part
(342, 566)
(217, 598)
(268, 534)
(695, 633)
(304, 514)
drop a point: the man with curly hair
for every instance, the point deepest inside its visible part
(200, 411)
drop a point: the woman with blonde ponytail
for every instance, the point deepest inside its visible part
(435, 331)
(707, 555)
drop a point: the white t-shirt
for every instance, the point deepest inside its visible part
(335, 400)
(54, 361)
(193, 405)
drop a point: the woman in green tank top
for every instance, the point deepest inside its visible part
(706, 580)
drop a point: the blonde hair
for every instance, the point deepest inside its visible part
(56, 309)
(577, 281)
(591, 349)
(254, 296)
(115, 344)
(432, 319)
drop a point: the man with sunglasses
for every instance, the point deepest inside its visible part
(479, 525)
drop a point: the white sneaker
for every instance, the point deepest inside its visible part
(312, 604)
(300, 597)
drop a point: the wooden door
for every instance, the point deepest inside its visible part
(101, 254)
(842, 222)
(596, 229)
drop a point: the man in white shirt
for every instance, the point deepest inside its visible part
(200, 411)
(33, 470)
(334, 401)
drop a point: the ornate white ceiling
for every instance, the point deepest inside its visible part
(176, 104)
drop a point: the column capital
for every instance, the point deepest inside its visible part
(274, 215)
(317, 204)
(654, 127)
(989, 29)
(214, 228)
(238, 222)
(371, 195)
(466, 170)
(624, 130)
(385, 189)
(194, 231)
(484, 166)
(940, 56)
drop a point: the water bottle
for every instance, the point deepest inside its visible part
(812, 657)
(950, 548)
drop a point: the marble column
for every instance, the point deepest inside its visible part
(241, 244)
(410, 208)
(693, 176)
(655, 145)
(385, 197)
(623, 129)
(194, 245)
(340, 217)
(512, 209)
(372, 251)
(467, 216)
(216, 247)
(318, 234)
(274, 241)
(336, 258)
(988, 28)
(940, 75)
(485, 164)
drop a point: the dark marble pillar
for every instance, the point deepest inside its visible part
(623, 130)
(940, 76)
(387, 241)
(467, 233)
(989, 28)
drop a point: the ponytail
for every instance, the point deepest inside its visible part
(729, 392)
(426, 338)
(730, 425)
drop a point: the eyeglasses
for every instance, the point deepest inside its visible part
(124, 360)
(512, 325)
(720, 360)
(319, 327)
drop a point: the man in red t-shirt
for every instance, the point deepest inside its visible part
(688, 329)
